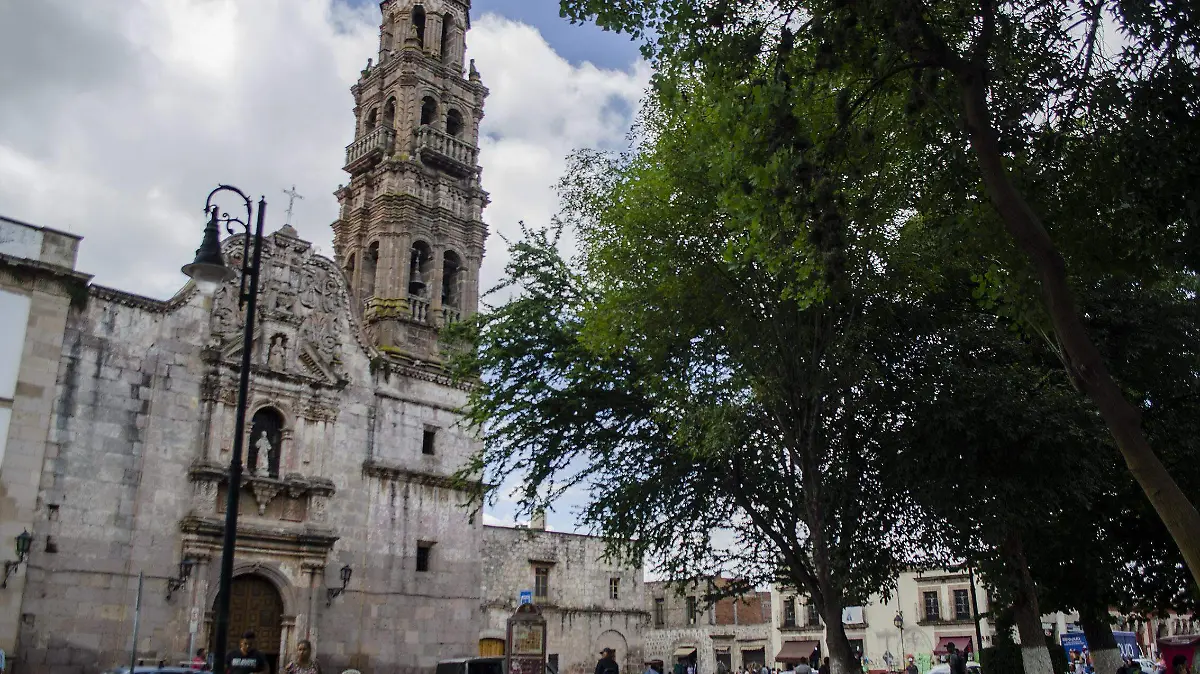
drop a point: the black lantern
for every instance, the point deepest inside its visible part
(332, 592)
(185, 572)
(208, 270)
(898, 621)
(24, 540)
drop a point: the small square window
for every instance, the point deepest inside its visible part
(427, 440)
(614, 588)
(424, 552)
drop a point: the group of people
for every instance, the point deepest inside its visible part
(249, 660)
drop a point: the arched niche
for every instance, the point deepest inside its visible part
(428, 110)
(418, 20)
(447, 36)
(389, 113)
(420, 269)
(371, 121)
(452, 272)
(370, 264)
(266, 437)
(454, 122)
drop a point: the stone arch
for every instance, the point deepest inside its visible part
(370, 266)
(447, 36)
(613, 639)
(389, 113)
(453, 271)
(429, 108)
(371, 120)
(420, 272)
(288, 596)
(455, 123)
(418, 21)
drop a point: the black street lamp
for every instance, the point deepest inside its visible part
(23, 542)
(332, 592)
(898, 621)
(209, 273)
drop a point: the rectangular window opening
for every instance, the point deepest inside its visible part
(424, 552)
(789, 612)
(659, 607)
(962, 605)
(614, 588)
(427, 440)
(933, 609)
(814, 615)
(541, 581)
(691, 610)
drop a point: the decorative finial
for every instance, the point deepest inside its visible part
(474, 74)
(367, 71)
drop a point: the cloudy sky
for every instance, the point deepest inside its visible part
(118, 116)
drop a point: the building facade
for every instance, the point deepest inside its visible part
(733, 633)
(118, 450)
(589, 602)
(38, 284)
(933, 606)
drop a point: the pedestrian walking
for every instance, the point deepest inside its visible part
(247, 659)
(608, 662)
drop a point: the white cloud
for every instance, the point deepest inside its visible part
(120, 115)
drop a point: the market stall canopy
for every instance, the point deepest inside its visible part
(792, 651)
(963, 644)
(684, 651)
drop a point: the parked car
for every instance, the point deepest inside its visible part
(471, 666)
(1148, 666)
(152, 669)
(972, 668)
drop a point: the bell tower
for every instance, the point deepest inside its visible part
(410, 233)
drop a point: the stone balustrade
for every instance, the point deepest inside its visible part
(369, 148)
(446, 151)
(419, 309)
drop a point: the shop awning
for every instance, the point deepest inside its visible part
(684, 651)
(721, 649)
(792, 651)
(963, 644)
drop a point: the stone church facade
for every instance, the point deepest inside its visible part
(352, 431)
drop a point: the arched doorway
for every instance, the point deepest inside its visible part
(256, 606)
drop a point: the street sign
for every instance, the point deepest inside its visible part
(526, 597)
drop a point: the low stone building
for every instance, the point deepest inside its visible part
(589, 602)
(731, 634)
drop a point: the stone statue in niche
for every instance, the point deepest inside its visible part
(276, 352)
(263, 447)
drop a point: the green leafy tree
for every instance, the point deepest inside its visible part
(723, 359)
(1000, 117)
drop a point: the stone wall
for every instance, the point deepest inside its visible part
(734, 630)
(37, 282)
(581, 616)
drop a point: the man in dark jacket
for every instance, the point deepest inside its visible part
(608, 662)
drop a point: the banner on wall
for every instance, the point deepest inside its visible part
(1127, 643)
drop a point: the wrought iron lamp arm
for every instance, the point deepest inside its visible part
(217, 215)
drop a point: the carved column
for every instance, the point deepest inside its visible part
(286, 450)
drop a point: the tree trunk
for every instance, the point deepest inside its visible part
(1035, 656)
(841, 659)
(1106, 657)
(1085, 364)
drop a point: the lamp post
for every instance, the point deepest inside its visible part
(898, 621)
(209, 272)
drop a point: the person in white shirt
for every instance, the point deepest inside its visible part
(803, 667)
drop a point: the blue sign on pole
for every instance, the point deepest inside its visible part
(526, 596)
